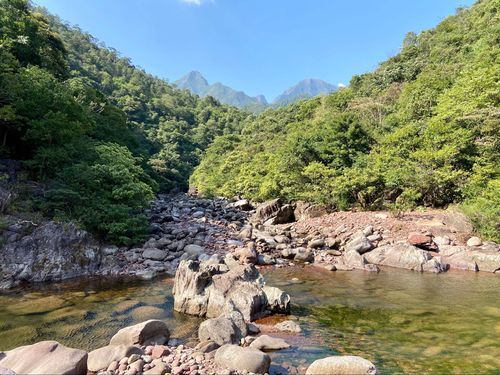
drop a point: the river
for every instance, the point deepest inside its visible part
(402, 321)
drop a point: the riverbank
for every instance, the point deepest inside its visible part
(271, 234)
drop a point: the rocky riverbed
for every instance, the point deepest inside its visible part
(213, 247)
(183, 227)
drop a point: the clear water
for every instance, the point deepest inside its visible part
(404, 322)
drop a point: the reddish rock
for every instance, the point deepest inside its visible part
(159, 351)
(421, 240)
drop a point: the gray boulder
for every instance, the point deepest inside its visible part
(474, 241)
(45, 358)
(205, 289)
(484, 258)
(303, 255)
(154, 254)
(211, 289)
(342, 365)
(242, 204)
(359, 243)
(193, 251)
(226, 329)
(242, 359)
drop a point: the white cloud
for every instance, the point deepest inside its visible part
(341, 85)
(197, 2)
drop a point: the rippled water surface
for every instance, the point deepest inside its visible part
(401, 320)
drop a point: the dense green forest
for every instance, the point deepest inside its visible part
(421, 130)
(98, 134)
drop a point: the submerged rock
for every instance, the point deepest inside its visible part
(288, 326)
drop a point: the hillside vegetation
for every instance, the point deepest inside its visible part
(99, 135)
(421, 130)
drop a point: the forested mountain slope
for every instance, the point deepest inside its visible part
(98, 134)
(421, 130)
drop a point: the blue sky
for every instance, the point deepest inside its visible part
(258, 46)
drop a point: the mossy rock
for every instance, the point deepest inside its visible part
(66, 313)
(125, 306)
(12, 338)
(143, 313)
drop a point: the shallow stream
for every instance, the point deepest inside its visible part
(401, 320)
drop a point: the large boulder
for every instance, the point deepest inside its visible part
(101, 358)
(226, 329)
(45, 357)
(304, 211)
(242, 359)
(404, 255)
(210, 289)
(48, 252)
(149, 332)
(192, 280)
(274, 212)
(342, 365)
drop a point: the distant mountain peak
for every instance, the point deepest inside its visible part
(307, 88)
(196, 83)
(193, 81)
